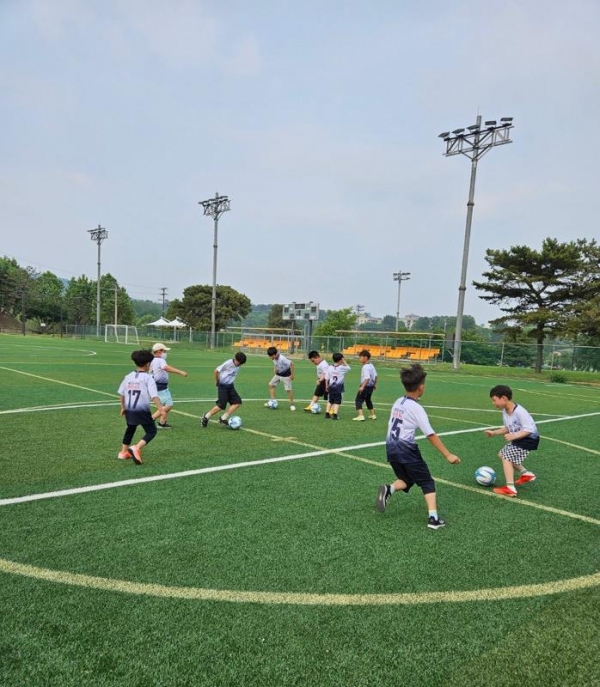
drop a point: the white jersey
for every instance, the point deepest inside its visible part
(368, 374)
(519, 419)
(335, 376)
(138, 388)
(322, 368)
(228, 372)
(282, 366)
(406, 417)
(157, 369)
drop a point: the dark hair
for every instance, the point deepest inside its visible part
(271, 351)
(412, 377)
(336, 357)
(314, 354)
(240, 357)
(141, 358)
(501, 390)
(365, 353)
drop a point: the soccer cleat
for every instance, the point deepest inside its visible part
(124, 455)
(372, 417)
(327, 416)
(308, 408)
(292, 407)
(505, 491)
(334, 416)
(166, 425)
(527, 477)
(223, 422)
(434, 524)
(204, 420)
(358, 418)
(383, 496)
(268, 404)
(136, 454)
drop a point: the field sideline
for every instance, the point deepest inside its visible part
(257, 558)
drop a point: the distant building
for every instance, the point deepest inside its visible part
(409, 320)
(365, 318)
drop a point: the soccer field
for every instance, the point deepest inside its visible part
(256, 557)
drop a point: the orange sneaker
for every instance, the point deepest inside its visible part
(505, 491)
(124, 455)
(136, 454)
(527, 477)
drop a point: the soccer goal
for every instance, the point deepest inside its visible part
(121, 333)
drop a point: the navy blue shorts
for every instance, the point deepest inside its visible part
(227, 394)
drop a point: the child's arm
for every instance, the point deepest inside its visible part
(175, 371)
(495, 432)
(122, 399)
(513, 436)
(437, 443)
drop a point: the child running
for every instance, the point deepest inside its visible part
(137, 390)
(225, 376)
(403, 454)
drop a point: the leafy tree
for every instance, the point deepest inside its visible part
(389, 323)
(45, 298)
(336, 320)
(195, 306)
(536, 289)
(276, 320)
(80, 301)
(13, 283)
(109, 290)
(146, 310)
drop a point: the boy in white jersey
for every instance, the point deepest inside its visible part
(334, 384)
(368, 384)
(160, 371)
(136, 391)
(225, 376)
(521, 436)
(403, 454)
(320, 390)
(284, 373)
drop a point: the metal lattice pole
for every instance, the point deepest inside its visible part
(98, 235)
(400, 277)
(474, 144)
(214, 207)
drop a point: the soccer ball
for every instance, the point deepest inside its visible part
(235, 422)
(272, 404)
(485, 476)
(315, 408)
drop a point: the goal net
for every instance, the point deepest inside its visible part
(121, 333)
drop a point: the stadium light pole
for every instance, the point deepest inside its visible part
(474, 144)
(214, 207)
(98, 235)
(400, 277)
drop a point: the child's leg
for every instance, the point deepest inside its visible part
(509, 471)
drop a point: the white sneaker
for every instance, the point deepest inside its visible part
(292, 407)
(359, 418)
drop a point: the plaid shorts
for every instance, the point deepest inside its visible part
(514, 454)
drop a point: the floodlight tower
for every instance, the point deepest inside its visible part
(98, 235)
(400, 277)
(214, 207)
(474, 144)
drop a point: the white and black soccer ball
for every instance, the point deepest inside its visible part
(485, 476)
(315, 408)
(235, 422)
(272, 404)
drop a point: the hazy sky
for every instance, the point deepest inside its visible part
(319, 120)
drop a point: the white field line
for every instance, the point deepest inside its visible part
(343, 451)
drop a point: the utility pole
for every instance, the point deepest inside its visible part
(214, 207)
(474, 145)
(400, 277)
(163, 294)
(98, 235)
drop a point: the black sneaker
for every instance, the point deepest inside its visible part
(327, 416)
(334, 416)
(434, 524)
(383, 496)
(223, 422)
(204, 421)
(165, 426)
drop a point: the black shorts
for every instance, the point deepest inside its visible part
(416, 471)
(320, 390)
(227, 394)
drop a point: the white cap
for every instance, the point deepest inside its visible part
(159, 347)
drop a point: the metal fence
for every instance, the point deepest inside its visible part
(425, 349)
